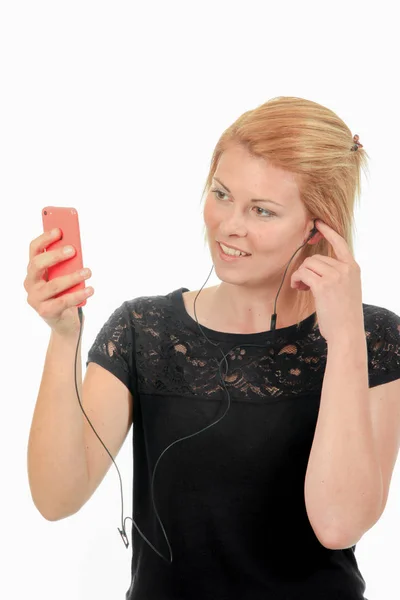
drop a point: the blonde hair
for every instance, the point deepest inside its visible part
(313, 143)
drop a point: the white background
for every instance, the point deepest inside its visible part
(115, 108)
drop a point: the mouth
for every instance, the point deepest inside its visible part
(228, 257)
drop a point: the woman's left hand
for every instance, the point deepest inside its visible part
(335, 285)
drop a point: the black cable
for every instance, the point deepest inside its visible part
(121, 531)
(273, 326)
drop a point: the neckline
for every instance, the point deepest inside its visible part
(283, 333)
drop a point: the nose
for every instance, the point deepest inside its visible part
(234, 225)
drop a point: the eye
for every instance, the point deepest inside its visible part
(268, 215)
(218, 192)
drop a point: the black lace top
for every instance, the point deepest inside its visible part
(231, 499)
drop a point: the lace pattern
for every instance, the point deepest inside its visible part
(113, 347)
(149, 341)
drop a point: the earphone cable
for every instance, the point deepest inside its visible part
(273, 325)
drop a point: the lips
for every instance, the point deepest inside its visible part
(234, 248)
(228, 257)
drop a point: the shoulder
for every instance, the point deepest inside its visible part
(380, 322)
(382, 331)
(150, 309)
(156, 300)
(136, 310)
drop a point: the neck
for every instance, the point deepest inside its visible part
(248, 308)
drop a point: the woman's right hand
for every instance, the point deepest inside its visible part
(60, 314)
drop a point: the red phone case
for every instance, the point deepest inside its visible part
(65, 219)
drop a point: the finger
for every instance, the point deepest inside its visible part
(338, 242)
(61, 284)
(39, 265)
(329, 260)
(38, 245)
(305, 276)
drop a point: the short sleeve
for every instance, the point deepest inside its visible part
(383, 342)
(114, 347)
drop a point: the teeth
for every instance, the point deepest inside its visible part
(232, 252)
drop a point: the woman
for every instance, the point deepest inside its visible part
(258, 461)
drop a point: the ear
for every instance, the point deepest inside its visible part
(316, 238)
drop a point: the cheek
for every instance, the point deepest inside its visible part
(210, 215)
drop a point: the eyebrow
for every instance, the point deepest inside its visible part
(253, 199)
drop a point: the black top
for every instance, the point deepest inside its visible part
(231, 499)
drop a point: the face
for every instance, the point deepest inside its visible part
(270, 232)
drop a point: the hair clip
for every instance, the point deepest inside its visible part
(357, 144)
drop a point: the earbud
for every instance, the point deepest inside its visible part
(312, 232)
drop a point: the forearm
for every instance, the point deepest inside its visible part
(343, 485)
(57, 465)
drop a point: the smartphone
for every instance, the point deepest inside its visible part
(65, 219)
